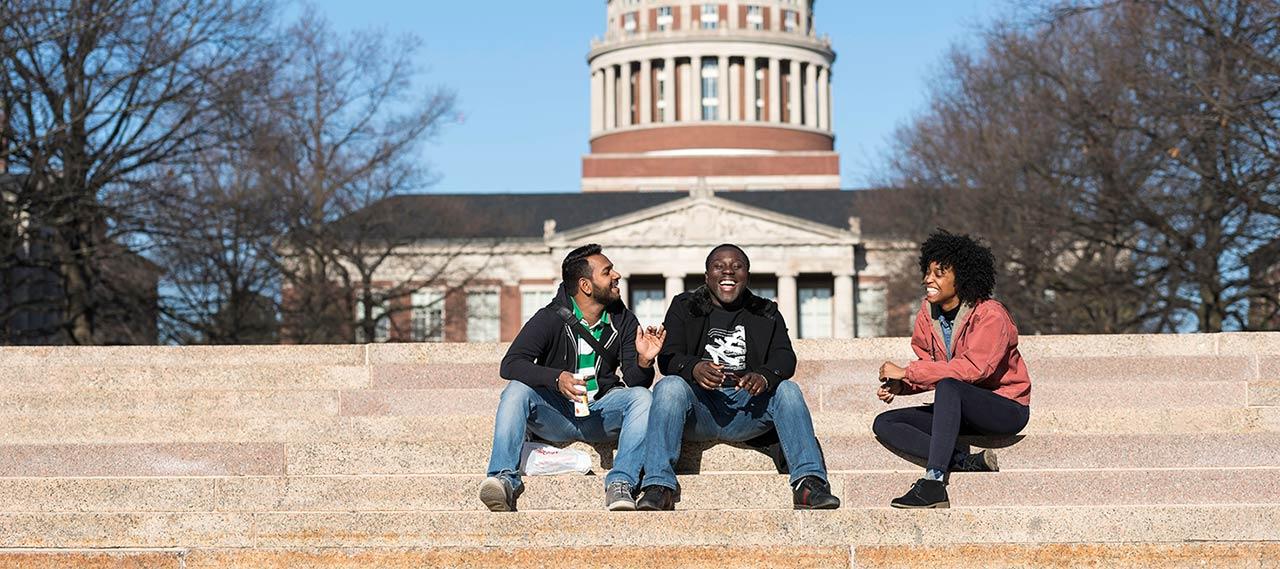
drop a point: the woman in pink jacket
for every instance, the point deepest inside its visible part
(967, 347)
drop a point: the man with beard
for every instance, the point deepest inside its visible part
(541, 364)
(727, 364)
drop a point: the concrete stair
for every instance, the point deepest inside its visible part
(1142, 450)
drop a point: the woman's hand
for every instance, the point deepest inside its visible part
(889, 389)
(890, 370)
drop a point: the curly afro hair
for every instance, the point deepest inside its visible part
(972, 263)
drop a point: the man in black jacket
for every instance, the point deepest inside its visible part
(727, 362)
(546, 364)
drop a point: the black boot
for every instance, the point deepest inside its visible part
(657, 498)
(812, 493)
(924, 493)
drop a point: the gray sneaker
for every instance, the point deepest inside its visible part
(984, 461)
(618, 498)
(497, 494)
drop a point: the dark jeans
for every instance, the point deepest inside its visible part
(933, 431)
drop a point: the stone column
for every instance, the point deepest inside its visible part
(787, 303)
(749, 88)
(793, 97)
(695, 88)
(669, 97)
(597, 98)
(610, 98)
(831, 115)
(674, 286)
(823, 102)
(722, 79)
(811, 95)
(646, 91)
(624, 83)
(775, 90)
(844, 305)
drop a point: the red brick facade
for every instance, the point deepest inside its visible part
(668, 137)
(823, 163)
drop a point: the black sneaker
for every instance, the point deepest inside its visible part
(984, 461)
(924, 493)
(497, 494)
(812, 493)
(618, 498)
(657, 498)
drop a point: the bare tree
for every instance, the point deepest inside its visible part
(1119, 156)
(99, 93)
(349, 133)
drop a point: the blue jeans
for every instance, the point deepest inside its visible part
(621, 415)
(685, 412)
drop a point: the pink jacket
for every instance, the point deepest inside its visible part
(984, 351)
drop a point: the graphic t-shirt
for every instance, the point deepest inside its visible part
(726, 341)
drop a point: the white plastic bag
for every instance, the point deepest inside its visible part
(537, 459)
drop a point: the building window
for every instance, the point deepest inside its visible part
(815, 312)
(755, 17)
(710, 88)
(710, 16)
(766, 292)
(664, 18)
(759, 102)
(382, 323)
(872, 320)
(482, 316)
(649, 305)
(428, 316)
(790, 20)
(629, 22)
(533, 299)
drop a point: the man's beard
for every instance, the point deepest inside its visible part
(603, 295)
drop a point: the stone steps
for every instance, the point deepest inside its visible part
(90, 429)
(724, 491)
(1247, 555)
(558, 528)
(22, 373)
(1142, 450)
(857, 452)
(100, 402)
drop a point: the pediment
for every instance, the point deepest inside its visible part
(706, 221)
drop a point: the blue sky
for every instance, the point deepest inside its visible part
(519, 70)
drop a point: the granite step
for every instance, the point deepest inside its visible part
(1245, 555)
(158, 402)
(724, 491)
(83, 429)
(756, 527)
(1053, 451)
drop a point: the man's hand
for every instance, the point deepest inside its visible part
(754, 383)
(890, 370)
(708, 375)
(648, 343)
(889, 389)
(572, 388)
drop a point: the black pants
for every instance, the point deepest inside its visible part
(933, 431)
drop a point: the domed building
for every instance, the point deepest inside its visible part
(710, 123)
(734, 94)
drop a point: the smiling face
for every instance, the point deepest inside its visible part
(727, 275)
(604, 280)
(940, 286)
